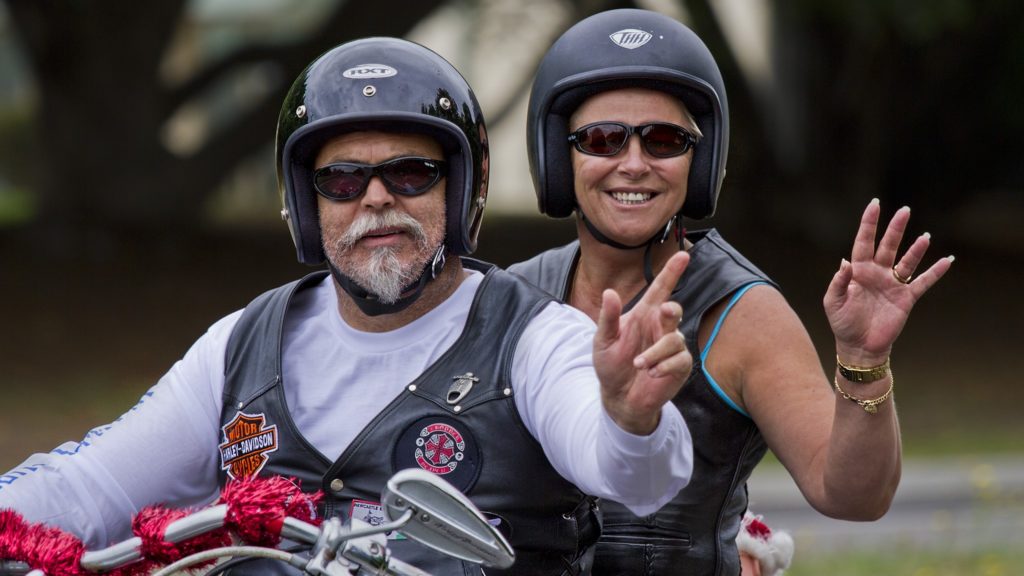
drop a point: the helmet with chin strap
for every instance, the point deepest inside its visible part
(388, 85)
(381, 84)
(625, 48)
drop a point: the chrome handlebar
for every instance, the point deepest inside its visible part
(424, 506)
(335, 548)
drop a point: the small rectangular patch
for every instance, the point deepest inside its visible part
(373, 514)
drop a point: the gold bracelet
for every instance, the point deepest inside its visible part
(862, 374)
(869, 406)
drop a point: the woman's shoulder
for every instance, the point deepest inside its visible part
(550, 269)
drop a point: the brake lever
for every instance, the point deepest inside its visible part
(353, 532)
(363, 547)
(323, 560)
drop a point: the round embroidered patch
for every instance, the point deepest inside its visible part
(441, 445)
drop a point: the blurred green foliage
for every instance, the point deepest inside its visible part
(16, 164)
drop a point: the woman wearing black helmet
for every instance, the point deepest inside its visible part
(757, 382)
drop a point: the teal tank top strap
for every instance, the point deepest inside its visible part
(707, 348)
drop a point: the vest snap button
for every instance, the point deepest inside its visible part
(412, 387)
(337, 485)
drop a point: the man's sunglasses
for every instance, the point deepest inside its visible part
(407, 175)
(660, 139)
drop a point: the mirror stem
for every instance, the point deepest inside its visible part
(386, 527)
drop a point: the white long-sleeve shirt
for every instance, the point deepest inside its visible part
(165, 449)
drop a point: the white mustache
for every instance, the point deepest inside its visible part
(375, 221)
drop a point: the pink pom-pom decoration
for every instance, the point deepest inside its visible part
(257, 508)
(51, 550)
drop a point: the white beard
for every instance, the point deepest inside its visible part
(382, 274)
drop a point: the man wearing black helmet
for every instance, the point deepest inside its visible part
(402, 354)
(628, 130)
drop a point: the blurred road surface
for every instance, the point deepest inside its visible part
(960, 504)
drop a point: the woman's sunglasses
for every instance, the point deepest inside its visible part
(659, 139)
(407, 175)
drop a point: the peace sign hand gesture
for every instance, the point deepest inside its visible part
(869, 299)
(641, 358)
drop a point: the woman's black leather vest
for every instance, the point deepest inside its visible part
(695, 533)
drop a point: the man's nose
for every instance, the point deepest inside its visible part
(377, 194)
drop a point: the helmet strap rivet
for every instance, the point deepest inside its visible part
(301, 111)
(445, 103)
(369, 91)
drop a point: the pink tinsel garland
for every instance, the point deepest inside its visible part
(50, 549)
(257, 508)
(256, 511)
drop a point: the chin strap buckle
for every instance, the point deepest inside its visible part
(437, 264)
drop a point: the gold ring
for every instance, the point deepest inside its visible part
(899, 278)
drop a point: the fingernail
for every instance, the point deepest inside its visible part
(874, 201)
(907, 208)
(638, 362)
(951, 257)
(927, 235)
(653, 373)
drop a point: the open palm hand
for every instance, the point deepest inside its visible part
(871, 296)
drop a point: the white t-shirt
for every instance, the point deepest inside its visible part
(165, 449)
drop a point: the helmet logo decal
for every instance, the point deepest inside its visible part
(631, 38)
(370, 71)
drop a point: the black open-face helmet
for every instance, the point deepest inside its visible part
(381, 84)
(624, 49)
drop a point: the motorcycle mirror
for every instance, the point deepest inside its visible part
(444, 519)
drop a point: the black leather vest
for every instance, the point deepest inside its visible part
(695, 533)
(479, 444)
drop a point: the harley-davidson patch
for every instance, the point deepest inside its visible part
(247, 441)
(441, 445)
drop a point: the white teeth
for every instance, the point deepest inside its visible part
(631, 197)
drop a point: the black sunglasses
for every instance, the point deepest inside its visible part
(659, 139)
(406, 175)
